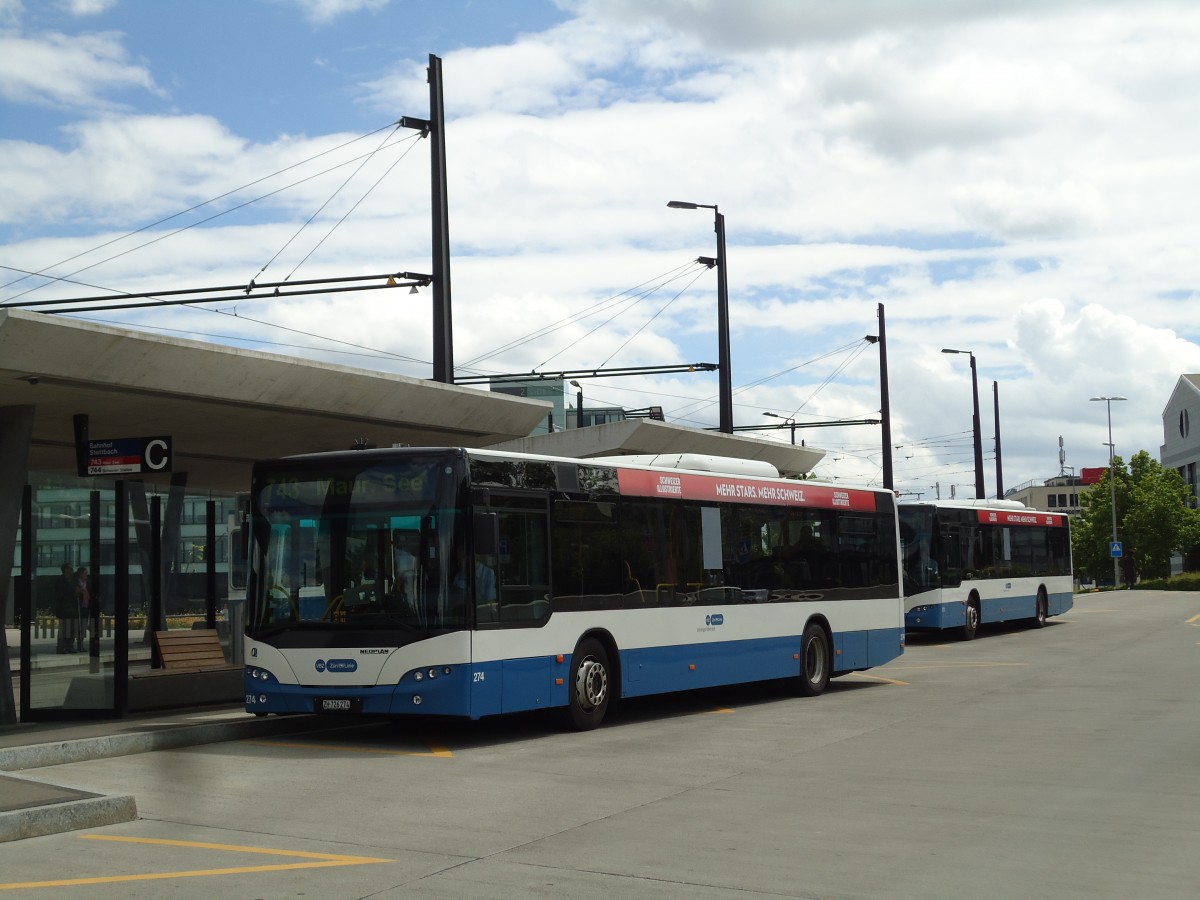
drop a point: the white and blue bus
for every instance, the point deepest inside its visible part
(473, 582)
(971, 562)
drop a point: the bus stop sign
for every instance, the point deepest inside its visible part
(138, 455)
(1114, 549)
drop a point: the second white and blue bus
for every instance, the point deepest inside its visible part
(968, 563)
(462, 582)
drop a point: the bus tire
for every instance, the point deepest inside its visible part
(971, 625)
(814, 663)
(1039, 615)
(591, 685)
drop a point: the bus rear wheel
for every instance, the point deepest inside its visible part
(971, 625)
(814, 663)
(591, 685)
(1039, 615)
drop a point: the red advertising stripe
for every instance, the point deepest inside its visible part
(115, 461)
(1018, 517)
(726, 489)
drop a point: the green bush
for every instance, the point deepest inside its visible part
(1188, 581)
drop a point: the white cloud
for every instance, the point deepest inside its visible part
(955, 163)
(1013, 211)
(89, 7)
(567, 67)
(766, 24)
(63, 70)
(322, 12)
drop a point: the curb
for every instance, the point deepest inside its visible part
(55, 818)
(55, 753)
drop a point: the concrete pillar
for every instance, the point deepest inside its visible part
(16, 433)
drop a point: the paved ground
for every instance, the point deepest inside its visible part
(1053, 763)
(30, 806)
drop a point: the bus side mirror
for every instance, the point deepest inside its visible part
(487, 533)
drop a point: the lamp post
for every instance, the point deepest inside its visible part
(885, 407)
(578, 404)
(787, 420)
(725, 381)
(979, 492)
(999, 467)
(1112, 483)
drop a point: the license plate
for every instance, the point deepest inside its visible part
(339, 704)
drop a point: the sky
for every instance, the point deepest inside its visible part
(1016, 180)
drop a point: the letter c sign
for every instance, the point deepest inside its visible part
(156, 457)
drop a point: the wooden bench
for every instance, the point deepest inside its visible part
(194, 673)
(197, 650)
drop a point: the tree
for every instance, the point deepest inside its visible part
(1154, 519)
(1160, 519)
(1093, 530)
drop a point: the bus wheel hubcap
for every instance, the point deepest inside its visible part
(592, 683)
(816, 662)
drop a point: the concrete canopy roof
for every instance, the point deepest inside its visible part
(226, 407)
(647, 436)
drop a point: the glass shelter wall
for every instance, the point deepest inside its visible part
(99, 567)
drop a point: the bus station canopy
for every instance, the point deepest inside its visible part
(225, 407)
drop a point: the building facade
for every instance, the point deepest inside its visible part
(1180, 449)
(1058, 494)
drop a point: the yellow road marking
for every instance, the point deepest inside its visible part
(435, 750)
(721, 709)
(1194, 620)
(965, 665)
(317, 861)
(879, 678)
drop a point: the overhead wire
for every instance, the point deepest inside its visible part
(854, 354)
(711, 400)
(365, 159)
(45, 272)
(177, 231)
(648, 322)
(624, 297)
(629, 305)
(384, 144)
(346, 215)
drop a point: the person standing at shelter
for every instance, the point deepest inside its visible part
(84, 604)
(66, 608)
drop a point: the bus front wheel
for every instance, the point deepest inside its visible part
(591, 685)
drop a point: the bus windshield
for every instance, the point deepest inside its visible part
(358, 545)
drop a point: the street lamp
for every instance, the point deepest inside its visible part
(788, 420)
(1112, 483)
(979, 492)
(725, 381)
(578, 404)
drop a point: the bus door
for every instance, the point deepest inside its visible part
(512, 584)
